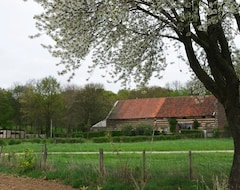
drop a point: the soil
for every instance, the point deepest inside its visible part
(21, 183)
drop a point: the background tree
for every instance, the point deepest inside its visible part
(48, 91)
(41, 104)
(94, 103)
(16, 93)
(70, 114)
(150, 92)
(6, 110)
(131, 37)
(31, 112)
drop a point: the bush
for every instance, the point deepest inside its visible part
(2, 142)
(167, 137)
(143, 129)
(26, 161)
(93, 134)
(77, 134)
(67, 140)
(192, 133)
(173, 123)
(100, 139)
(14, 141)
(126, 139)
(127, 130)
(117, 139)
(61, 135)
(116, 133)
(196, 124)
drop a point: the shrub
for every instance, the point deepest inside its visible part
(143, 129)
(127, 130)
(173, 123)
(93, 134)
(26, 161)
(36, 140)
(14, 141)
(2, 142)
(100, 139)
(141, 138)
(192, 133)
(126, 139)
(77, 134)
(116, 133)
(196, 124)
(117, 139)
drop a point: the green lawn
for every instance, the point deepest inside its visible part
(165, 145)
(124, 170)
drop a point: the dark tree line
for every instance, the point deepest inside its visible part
(45, 107)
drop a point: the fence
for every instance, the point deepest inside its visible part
(142, 167)
(187, 164)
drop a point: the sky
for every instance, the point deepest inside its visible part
(23, 59)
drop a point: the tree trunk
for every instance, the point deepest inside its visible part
(233, 116)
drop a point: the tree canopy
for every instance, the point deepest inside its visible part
(131, 35)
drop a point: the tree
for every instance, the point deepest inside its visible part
(70, 118)
(132, 36)
(6, 110)
(41, 104)
(94, 104)
(48, 91)
(16, 93)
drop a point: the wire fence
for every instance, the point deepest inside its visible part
(191, 165)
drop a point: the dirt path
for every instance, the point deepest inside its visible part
(19, 183)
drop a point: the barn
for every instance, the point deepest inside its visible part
(157, 111)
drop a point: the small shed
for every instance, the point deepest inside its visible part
(8, 133)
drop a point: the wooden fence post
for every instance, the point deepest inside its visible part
(101, 162)
(1, 150)
(190, 165)
(43, 156)
(144, 166)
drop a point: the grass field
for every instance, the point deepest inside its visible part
(166, 145)
(125, 170)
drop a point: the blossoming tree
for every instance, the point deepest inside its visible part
(131, 38)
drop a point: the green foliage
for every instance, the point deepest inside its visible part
(100, 139)
(91, 103)
(116, 133)
(66, 140)
(143, 129)
(192, 133)
(2, 142)
(146, 92)
(127, 130)
(173, 124)
(77, 134)
(14, 141)
(196, 124)
(41, 104)
(173, 170)
(6, 110)
(26, 162)
(92, 134)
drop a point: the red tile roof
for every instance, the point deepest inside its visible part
(191, 106)
(187, 107)
(137, 108)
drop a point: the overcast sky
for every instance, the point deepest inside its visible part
(23, 59)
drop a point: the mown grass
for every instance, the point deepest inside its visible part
(165, 145)
(124, 170)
